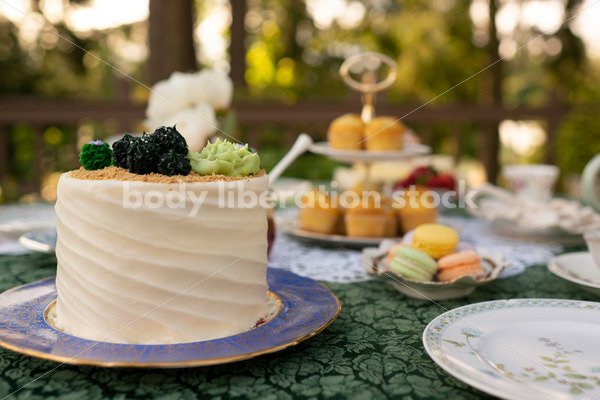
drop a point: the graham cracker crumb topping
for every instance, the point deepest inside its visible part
(121, 174)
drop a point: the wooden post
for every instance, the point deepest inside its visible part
(171, 38)
(237, 49)
(488, 151)
(553, 121)
(492, 140)
(4, 154)
(456, 132)
(39, 155)
(426, 132)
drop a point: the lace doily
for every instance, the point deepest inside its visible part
(345, 265)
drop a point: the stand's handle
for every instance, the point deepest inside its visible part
(368, 63)
(302, 144)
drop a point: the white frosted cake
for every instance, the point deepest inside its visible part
(148, 259)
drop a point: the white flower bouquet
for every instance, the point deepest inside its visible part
(190, 100)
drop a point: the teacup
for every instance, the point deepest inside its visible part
(592, 239)
(588, 182)
(534, 183)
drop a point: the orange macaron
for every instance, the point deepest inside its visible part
(455, 265)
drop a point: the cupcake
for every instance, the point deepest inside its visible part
(346, 132)
(366, 219)
(384, 134)
(358, 191)
(319, 214)
(391, 220)
(414, 209)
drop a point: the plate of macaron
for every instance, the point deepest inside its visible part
(432, 263)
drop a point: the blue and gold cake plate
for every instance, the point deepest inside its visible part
(307, 307)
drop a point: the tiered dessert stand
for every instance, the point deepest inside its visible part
(365, 65)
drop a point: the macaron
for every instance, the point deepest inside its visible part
(392, 251)
(413, 264)
(435, 239)
(456, 265)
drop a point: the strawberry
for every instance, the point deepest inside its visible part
(442, 181)
(419, 176)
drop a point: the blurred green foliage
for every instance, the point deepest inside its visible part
(290, 56)
(54, 66)
(578, 140)
(51, 63)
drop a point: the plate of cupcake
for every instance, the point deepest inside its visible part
(349, 139)
(356, 218)
(366, 156)
(431, 263)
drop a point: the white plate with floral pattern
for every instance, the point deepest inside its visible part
(578, 268)
(522, 348)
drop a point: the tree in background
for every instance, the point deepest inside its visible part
(296, 47)
(45, 54)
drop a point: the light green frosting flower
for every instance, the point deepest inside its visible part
(224, 157)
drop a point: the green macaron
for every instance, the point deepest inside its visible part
(413, 264)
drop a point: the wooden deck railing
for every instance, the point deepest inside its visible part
(310, 117)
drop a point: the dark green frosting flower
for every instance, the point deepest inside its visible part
(120, 148)
(168, 138)
(95, 155)
(144, 155)
(172, 163)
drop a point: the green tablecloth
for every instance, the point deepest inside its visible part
(372, 350)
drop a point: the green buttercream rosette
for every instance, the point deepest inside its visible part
(226, 158)
(95, 155)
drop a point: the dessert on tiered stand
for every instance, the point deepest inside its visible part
(364, 139)
(154, 245)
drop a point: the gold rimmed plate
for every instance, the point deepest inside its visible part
(307, 308)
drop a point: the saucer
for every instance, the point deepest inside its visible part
(307, 307)
(559, 221)
(41, 240)
(498, 215)
(15, 220)
(578, 268)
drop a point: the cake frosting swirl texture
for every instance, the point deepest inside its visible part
(149, 262)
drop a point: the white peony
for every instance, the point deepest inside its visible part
(212, 86)
(196, 124)
(190, 100)
(169, 96)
